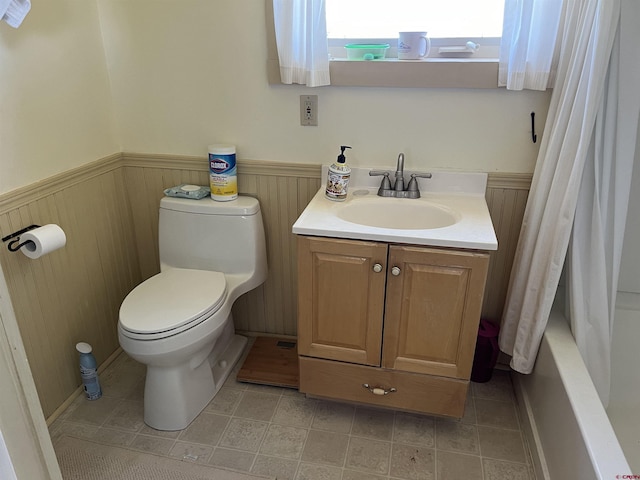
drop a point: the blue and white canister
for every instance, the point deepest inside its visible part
(222, 172)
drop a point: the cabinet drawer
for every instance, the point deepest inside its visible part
(414, 392)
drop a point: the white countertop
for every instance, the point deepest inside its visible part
(463, 193)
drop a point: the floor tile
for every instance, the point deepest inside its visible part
(333, 416)
(373, 423)
(282, 433)
(126, 416)
(225, 401)
(244, 434)
(159, 446)
(207, 428)
(307, 471)
(93, 412)
(191, 452)
(122, 380)
(469, 415)
(501, 444)
(415, 429)
(458, 466)
(232, 459)
(78, 430)
(280, 468)
(411, 462)
(353, 475)
(493, 413)
(284, 441)
(499, 388)
(325, 447)
(295, 411)
(368, 455)
(456, 436)
(114, 437)
(257, 406)
(499, 470)
(147, 430)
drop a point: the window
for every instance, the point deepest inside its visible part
(379, 21)
(447, 22)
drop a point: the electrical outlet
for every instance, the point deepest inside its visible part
(309, 110)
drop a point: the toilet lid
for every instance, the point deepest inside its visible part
(172, 301)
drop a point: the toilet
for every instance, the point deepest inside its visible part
(178, 323)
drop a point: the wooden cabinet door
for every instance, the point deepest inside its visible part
(341, 299)
(433, 308)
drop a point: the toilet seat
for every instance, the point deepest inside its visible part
(171, 302)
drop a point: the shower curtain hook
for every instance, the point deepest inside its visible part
(534, 137)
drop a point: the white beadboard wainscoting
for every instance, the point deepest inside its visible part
(109, 211)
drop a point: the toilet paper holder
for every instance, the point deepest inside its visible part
(12, 245)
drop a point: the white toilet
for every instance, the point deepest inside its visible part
(178, 322)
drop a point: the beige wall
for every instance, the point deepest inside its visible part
(56, 104)
(84, 79)
(187, 73)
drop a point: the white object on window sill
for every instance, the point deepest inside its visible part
(468, 49)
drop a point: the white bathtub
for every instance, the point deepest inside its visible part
(624, 405)
(569, 432)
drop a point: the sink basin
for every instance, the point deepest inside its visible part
(400, 214)
(451, 212)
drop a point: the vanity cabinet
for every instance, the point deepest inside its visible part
(388, 324)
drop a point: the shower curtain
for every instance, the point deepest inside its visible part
(562, 185)
(595, 250)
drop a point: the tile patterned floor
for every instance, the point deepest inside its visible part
(281, 433)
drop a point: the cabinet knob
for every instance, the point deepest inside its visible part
(395, 271)
(377, 268)
(378, 390)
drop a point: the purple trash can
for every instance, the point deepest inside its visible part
(487, 351)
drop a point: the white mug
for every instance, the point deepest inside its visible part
(413, 45)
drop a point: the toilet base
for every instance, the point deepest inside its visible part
(173, 397)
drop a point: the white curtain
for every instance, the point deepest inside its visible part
(595, 250)
(14, 11)
(528, 53)
(301, 36)
(587, 29)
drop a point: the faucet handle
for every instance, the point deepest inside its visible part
(413, 183)
(385, 185)
(421, 175)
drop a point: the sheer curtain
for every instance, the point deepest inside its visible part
(585, 40)
(301, 36)
(528, 52)
(595, 250)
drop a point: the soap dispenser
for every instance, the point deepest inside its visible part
(338, 178)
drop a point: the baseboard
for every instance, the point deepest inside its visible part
(529, 429)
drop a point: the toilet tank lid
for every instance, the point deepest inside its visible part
(243, 205)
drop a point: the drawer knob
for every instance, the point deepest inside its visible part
(377, 268)
(395, 271)
(378, 390)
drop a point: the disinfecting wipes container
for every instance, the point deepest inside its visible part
(222, 172)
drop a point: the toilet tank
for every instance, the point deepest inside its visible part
(208, 235)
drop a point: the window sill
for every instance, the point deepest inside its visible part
(427, 73)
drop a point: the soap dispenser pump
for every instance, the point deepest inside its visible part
(338, 178)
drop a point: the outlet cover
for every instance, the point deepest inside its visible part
(309, 110)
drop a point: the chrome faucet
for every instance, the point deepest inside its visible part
(398, 190)
(399, 185)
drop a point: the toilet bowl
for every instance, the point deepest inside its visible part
(178, 322)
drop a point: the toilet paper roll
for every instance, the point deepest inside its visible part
(44, 239)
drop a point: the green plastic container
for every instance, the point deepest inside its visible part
(366, 51)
